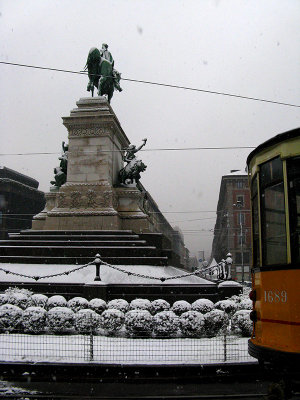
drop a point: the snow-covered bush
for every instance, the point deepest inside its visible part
(228, 306)
(112, 320)
(34, 319)
(180, 307)
(56, 301)
(192, 323)
(242, 300)
(202, 305)
(98, 305)
(139, 322)
(19, 297)
(241, 323)
(140, 304)
(39, 300)
(165, 323)
(3, 298)
(60, 319)
(245, 304)
(78, 303)
(86, 321)
(10, 317)
(159, 305)
(215, 321)
(118, 304)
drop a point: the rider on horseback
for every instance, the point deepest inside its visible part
(101, 73)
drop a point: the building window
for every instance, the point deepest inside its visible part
(247, 258)
(240, 184)
(238, 258)
(240, 201)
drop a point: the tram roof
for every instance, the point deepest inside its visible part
(274, 140)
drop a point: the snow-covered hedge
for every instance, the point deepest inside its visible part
(86, 321)
(228, 306)
(180, 307)
(56, 301)
(78, 303)
(139, 322)
(165, 323)
(34, 319)
(39, 300)
(60, 319)
(159, 305)
(241, 323)
(202, 305)
(140, 304)
(98, 305)
(19, 297)
(215, 321)
(142, 314)
(245, 304)
(3, 299)
(10, 317)
(192, 324)
(112, 320)
(118, 304)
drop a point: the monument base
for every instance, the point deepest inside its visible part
(76, 207)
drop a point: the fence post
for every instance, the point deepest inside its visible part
(91, 340)
(91, 346)
(225, 346)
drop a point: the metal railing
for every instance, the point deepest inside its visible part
(122, 350)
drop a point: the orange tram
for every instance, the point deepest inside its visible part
(274, 173)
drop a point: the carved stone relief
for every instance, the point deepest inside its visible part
(75, 199)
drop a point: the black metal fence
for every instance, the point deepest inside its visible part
(122, 350)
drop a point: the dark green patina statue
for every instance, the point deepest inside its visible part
(101, 72)
(131, 171)
(60, 173)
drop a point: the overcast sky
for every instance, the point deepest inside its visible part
(249, 48)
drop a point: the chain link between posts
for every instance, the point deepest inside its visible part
(98, 261)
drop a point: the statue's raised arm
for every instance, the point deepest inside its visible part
(131, 150)
(131, 171)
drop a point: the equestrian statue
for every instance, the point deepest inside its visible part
(101, 72)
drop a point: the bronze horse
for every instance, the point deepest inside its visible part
(101, 75)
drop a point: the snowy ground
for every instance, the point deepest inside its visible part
(108, 274)
(120, 350)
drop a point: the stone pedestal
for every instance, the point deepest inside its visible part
(91, 198)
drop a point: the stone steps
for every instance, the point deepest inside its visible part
(81, 246)
(78, 251)
(76, 232)
(74, 237)
(156, 261)
(65, 242)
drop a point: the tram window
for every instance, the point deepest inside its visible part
(255, 222)
(293, 168)
(273, 213)
(270, 172)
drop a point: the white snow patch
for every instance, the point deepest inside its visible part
(229, 283)
(108, 274)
